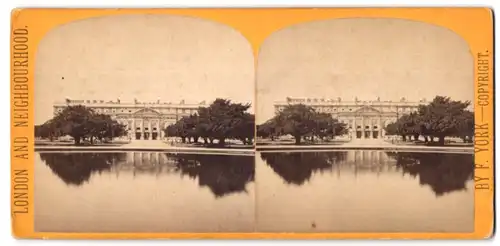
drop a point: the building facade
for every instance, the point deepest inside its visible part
(143, 120)
(364, 119)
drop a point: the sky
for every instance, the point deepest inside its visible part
(148, 57)
(363, 58)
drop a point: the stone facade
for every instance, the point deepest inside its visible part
(364, 119)
(144, 120)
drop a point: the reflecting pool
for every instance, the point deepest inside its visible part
(143, 192)
(364, 191)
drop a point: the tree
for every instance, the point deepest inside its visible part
(297, 120)
(181, 128)
(465, 126)
(222, 120)
(300, 121)
(391, 129)
(269, 129)
(413, 125)
(327, 126)
(407, 126)
(204, 125)
(116, 130)
(74, 121)
(223, 117)
(81, 122)
(244, 128)
(171, 131)
(98, 125)
(443, 116)
(49, 130)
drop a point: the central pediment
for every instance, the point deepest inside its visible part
(367, 110)
(147, 112)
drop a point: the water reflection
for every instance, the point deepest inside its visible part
(222, 174)
(76, 168)
(442, 172)
(298, 167)
(364, 191)
(143, 192)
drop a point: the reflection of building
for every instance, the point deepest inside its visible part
(365, 119)
(370, 157)
(443, 172)
(144, 120)
(222, 174)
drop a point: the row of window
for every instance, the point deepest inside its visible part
(366, 127)
(343, 109)
(130, 111)
(145, 128)
(367, 122)
(98, 110)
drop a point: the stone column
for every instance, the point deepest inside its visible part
(363, 127)
(163, 126)
(142, 130)
(159, 129)
(353, 130)
(160, 125)
(150, 129)
(156, 131)
(133, 128)
(129, 129)
(370, 129)
(380, 128)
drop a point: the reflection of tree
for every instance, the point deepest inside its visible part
(444, 173)
(298, 167)
(76, 168)
(223, 174)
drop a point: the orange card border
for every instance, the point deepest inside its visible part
(474, 25)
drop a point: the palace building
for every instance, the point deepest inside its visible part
(144, 120)
(364, 119)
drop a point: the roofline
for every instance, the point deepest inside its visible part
(353, 103)
(134, 105)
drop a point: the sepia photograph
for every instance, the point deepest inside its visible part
(252, 123)
(365, 125)
(144, 123)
